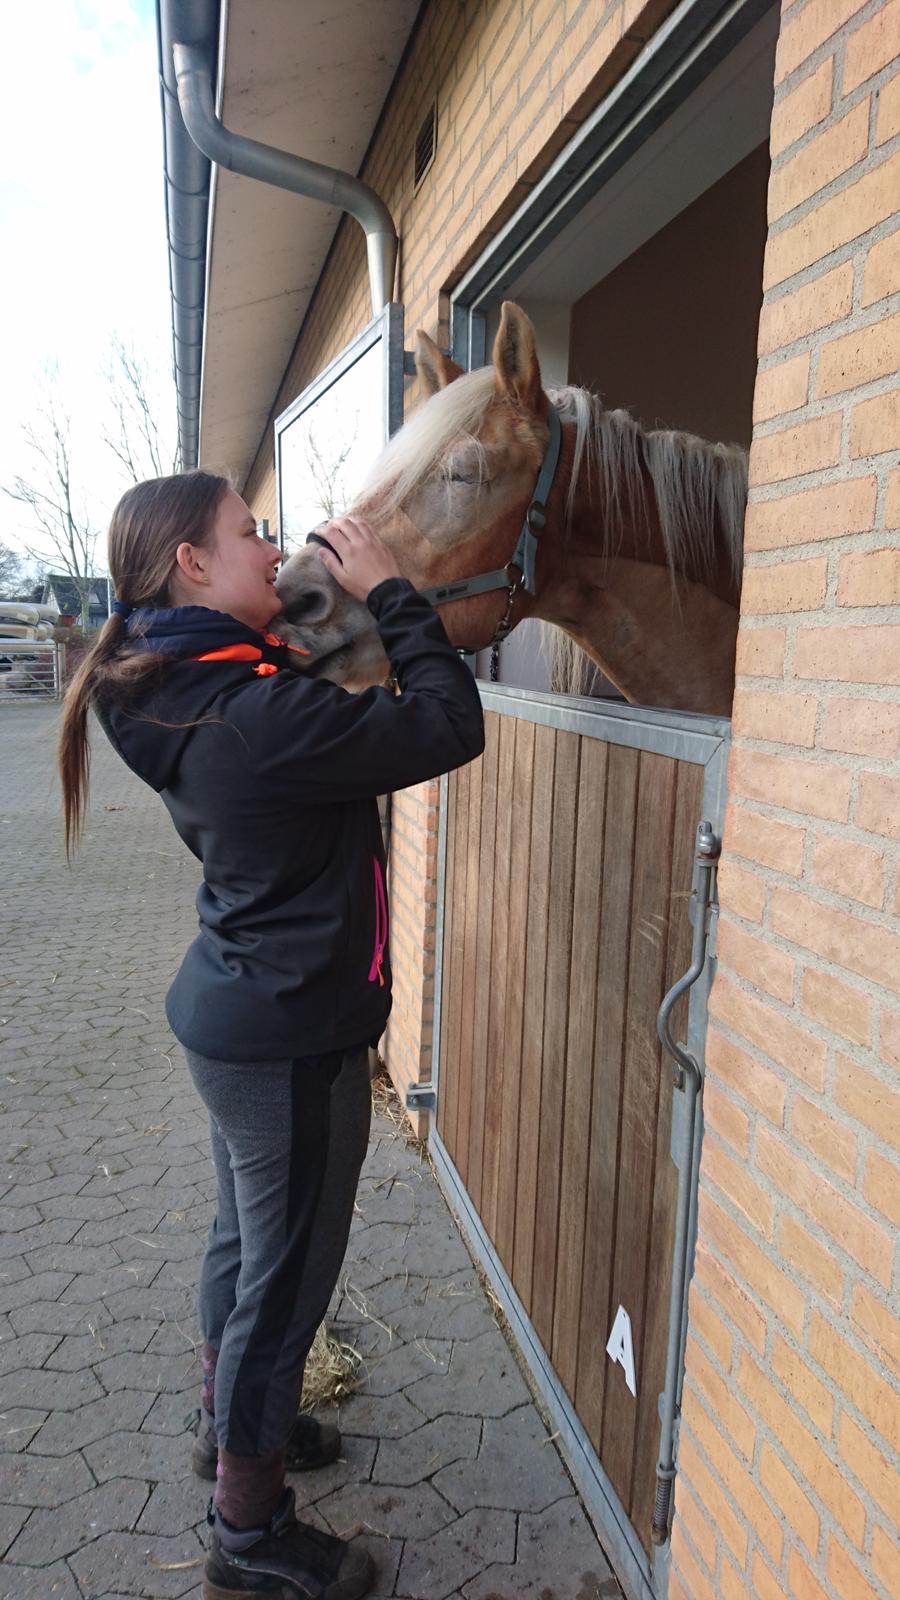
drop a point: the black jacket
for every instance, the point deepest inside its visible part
(271, 782)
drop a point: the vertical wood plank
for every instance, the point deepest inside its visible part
(470, 929)
(688, 802)
(640, 1097)
(499, 1061)
(482, 975)
(556, 1020)
(533, 1024)
(520, 804)
(582, 1000)
(452, 937)
(606, 1097)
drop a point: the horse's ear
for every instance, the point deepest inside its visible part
(515, 360)
(435, 370)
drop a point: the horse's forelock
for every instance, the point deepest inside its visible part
(418, 446)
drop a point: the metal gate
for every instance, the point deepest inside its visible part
(566, 861)
(30, 669)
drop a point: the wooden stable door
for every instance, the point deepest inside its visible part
(567, 880)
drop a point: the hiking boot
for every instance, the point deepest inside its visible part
(289, 1560)
(311, 1444)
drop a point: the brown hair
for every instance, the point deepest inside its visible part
(149, 523)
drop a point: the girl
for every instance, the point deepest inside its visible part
(270, 778)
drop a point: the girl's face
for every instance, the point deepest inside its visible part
(240, 567)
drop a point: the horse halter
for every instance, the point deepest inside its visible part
(522, 560)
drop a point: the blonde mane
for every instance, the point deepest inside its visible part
(700, 488)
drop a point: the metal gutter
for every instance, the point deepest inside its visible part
(194, 136)
(187, 189)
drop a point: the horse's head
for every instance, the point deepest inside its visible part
(448, 494)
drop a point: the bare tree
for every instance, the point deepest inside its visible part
(14, 577)
(50, 495)
(133, 433)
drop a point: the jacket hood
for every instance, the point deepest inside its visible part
(150, 734)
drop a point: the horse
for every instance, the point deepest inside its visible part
(635, 547)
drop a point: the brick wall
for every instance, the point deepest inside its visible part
(513, 81)
(788, 1481)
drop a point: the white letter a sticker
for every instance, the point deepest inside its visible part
(621, 1347)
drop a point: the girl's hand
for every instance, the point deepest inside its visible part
(362, 559)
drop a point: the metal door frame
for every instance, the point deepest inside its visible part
(681, 736)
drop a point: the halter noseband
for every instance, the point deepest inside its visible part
(522, 560)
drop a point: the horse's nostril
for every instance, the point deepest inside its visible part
(309, 606)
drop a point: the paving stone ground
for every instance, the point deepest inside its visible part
(447, 1472)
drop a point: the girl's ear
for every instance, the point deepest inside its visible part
(191, 561)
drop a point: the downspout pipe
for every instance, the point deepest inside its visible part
(285, 171)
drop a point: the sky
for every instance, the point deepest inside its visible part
(82, 227)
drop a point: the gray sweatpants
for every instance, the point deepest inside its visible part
(288, 1141)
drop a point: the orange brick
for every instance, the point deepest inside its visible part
(697, 1585)
(760, 652)
(709, 1327)
(875, 424)
(824, 1137)
(752, 1264)
(890, 1037)
(869, 1099)
(881, 1186)
(818, 1265)
(694, 1521)
(859, 357)
(676, 1589)
(782, 388)
(757, 960)
(803, 1384)
(868, 1464)
(888, 111)
(746, 1075)
(849, 655)
(731, 1584)
(781, 1039)
(802, 109)
(716, 1503)
(734, 1301)
(849, 869)
(740, 1188)
(804, 310)
(803, 1585)
(876, 1326)
(725, 1407)
(806, 447)
(758, 838)
(878, 807)
(836, 1004)
(804, 33)
(869, 578)
(882, 272)
(737, 1480)
(862, 1239)
(829, 512)
(809, 787)
(846, 1575)
(766, 1586)
(825, 1479)
(725, 1118)
(819, 162)
(847, 215)
(783, 586)
(862, 727)
(886, 1560)
(741, 891)
(857, 1377)
(775, 716)
(782, 1485)
(871, 46)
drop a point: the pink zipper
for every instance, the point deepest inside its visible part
(381, 925)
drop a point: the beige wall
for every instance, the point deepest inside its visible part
(671, 333)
